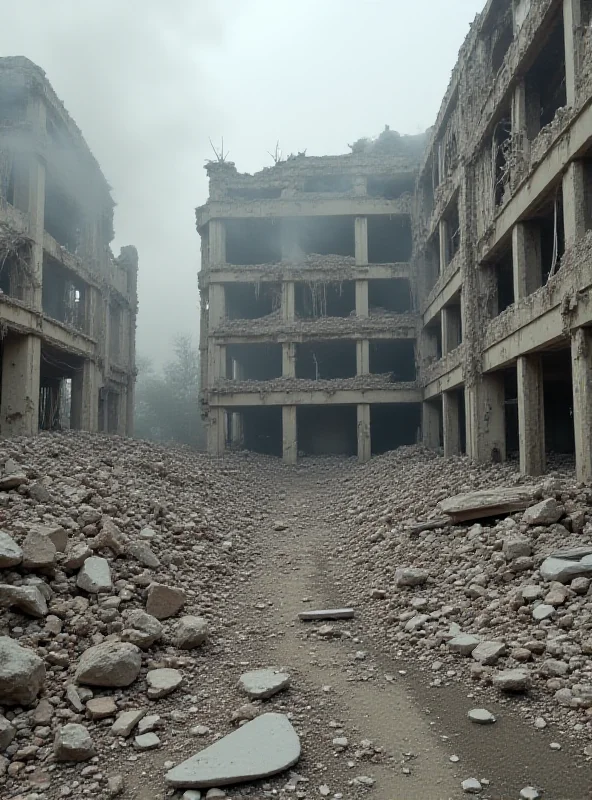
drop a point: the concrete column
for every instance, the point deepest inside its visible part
(217, 312)
(216, 431)
(289, 435)
(450, 424)
(572, 19)
(361, 240)
(486, 418)
(526, 259)
(19, 410)
(360, 185)
(217, 242)
(288, 301)
(361, 298)
(236, 430)
(443, 236)
(574, 203)
(216, 361)
(364, 440)
(37, 118)
(363, 357)
(130, 405)
(451, 333)
(84, 413)
(441, 165)
(430, 424)
(581, 370)
(288, 360)
(531, 415)
(526, 112)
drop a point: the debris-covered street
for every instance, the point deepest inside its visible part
(144, 582)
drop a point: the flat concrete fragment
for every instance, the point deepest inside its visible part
(481, 716)
(512, 680)
(259, 684)
(147, 741)
(28, 598)
(573, 553)
(488, 653)
(330, 613)
(543, 611)
(488, 503)
(265, 746)
(161, 682)
(10, 553)
(127, 721)
(95, 576)
(464, 644)
(564, 570)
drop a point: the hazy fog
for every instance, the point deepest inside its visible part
(148, 81)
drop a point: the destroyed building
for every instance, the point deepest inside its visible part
(67, 306)
(355, 303)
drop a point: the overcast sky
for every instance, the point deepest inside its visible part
(150, 81)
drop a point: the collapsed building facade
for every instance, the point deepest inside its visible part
(355, 303)
(67, 306)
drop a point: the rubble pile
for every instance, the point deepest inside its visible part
(502, 600)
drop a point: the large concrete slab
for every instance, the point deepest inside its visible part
(488, 502)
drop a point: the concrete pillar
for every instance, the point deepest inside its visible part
(572, 20)
(361, 240)
(362, 357)
(526, 113)
(443, 236)
(217, 312)
(130, 405)
(531, 415)
(451, 333)
(19, 410)
(364, 440)
(217, 242)
(526, 259)
(574, 203)
(216, 361)
(451, 424)
(288, 301)
(430, 424)
(288, 360)
(216, 431)
(84, 414)
(236, 430)
(37, 118)
(289, 435)
(362, 298)
(360, 185)
(581, 370)
(486, 418)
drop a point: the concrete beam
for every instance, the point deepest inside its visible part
(21, 363)
(531, 415)
(364, 440)
(444, 296)
(392, 326)
(452, 379)
(304, 272)
(343, 397)
(581, 366)
(289, 435)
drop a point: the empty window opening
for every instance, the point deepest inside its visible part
(511, 413)
(550, 220)
(389, 239)
(395, 357)
(262, 429)
(13, 104)
(16, 277)
(435, 405)
(322, 299)
(319, 236)
(252, 300)
(328, 183)
(261, 193)
(389, 294)
(63, 218)
(504, 277)
(115, 314)
(545, 81)
(503, 34)
(501, 149)
(252, 241)
(63, 294)
(393, 426)
(113, 406)
(327, 430)
(58, 371)
(391, 188)
(254, 362)
(451, 221)
(326, 360)
(433, 339)
(451, 325)
(558, 402)
(426, 190)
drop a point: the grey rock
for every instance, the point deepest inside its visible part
(190, 632)
(12, 481)
(580, 585)
(481, 716)
(7, 732)
(77, 555)
(29, 599)
(164, 601)
(326, 613)
(416, 622)
(516, 547)
(142, 553)
(10, 553)
(546, 512)
(410, 576)
(162, 682)
(73, 742)
(471, 786)
(115, 785)
(531, 592)
(557, 595)
(265, 746)
(530, 793)
(146, 741)
(215, 794)
(38, 492)
(149, 723)
(553, 668)
(101, 707)
(22, 673)
(142, 629)
(191, 794)
(95, 576)
(110, 537)
(127, 721)
(74, 699)
(542, 611)
(55, 533)
(114, 664)
(512, 680)
(573, 553)
(488, 653)
(564, 570)
(464, 644)
(259, 684)
(43, 713)
(39, 552)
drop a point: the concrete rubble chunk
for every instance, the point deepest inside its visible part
(149, 723)
(95, 576)
(260, 748)
(76, 556)
(110, 537)
(573, 553)
(162, 682)
(565, 570)
(410, 576)
(142, 553)
(512, 680)
(7, 732)
(127, 721)
(101, 707)
(260, 684)
(544, 513)
(10, 553)
(471, 786)
(464, 644)
(142, 629)
(190, 632)
(113, 664)
(327, 613)
(481, 716)
(530, 793)
(488, 653)
(488, 503)
(39, 552)
(542, 611)
(516, 547)
(146, 741)
(73, 742)
(22, 673)
(29, 599)
(54, 533)
(12, 480)
(39, 492)
(164, 601)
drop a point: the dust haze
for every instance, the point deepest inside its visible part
(149, 83)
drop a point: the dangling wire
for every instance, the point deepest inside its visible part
(555, 239)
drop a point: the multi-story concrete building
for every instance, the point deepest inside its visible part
(67, 306)
(321, 275)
